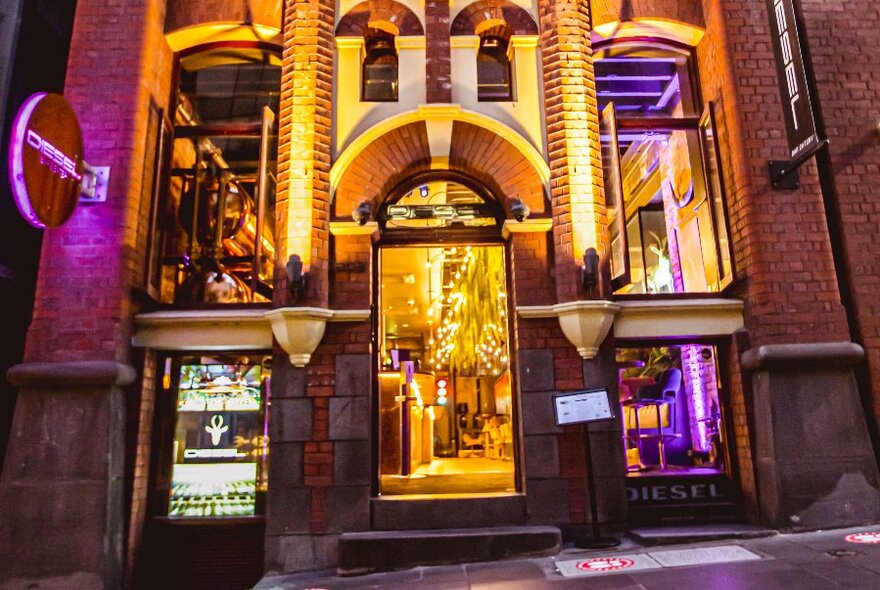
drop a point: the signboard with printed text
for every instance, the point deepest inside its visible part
(578, 407)
(797, 107)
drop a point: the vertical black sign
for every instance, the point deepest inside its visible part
(800, 126)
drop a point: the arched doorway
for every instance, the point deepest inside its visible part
(445, 407)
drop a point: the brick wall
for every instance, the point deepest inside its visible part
(577, 202)
(849, 92)
(781, 246)
(354, 23)
(87, 268)
(303, 194)
(185, 13)
(438, 66)
(686, 11)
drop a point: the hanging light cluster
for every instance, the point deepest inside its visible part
(472, 310)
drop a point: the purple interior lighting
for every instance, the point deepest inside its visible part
(16, 160)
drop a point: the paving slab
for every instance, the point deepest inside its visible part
(697, 533)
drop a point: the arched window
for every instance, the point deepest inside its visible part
(494, 82)
(663, 188)
(380, 68)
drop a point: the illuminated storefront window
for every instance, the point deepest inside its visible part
(213, 239)
(449, 428)
(220, 444)
(667, 215)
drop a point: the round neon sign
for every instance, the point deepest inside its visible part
(46, 160)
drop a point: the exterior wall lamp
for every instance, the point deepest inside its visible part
(296, 278)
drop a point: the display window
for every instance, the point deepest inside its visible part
(675, 438)
(445, 394)
(213, 240)
(220, 445)
(664, 193)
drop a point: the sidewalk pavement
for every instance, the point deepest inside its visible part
(804, 561)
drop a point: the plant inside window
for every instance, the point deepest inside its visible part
(494, 81)
(380, 69)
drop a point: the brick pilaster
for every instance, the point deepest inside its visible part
(576, 196)
(303, 195)
(439, 59)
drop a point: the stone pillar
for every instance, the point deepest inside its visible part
(61, 489)
(606, 440)
(814, 460)
(577, 201)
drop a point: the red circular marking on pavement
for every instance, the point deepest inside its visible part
(605, 564)
(872, 538)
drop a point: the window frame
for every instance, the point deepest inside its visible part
(703, 124)
(508, 64)
(364, 65)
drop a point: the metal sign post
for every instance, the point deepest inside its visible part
(584, 407)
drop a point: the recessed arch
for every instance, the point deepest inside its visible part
(469, 21)
(659, 29)
(682, 11)
(387, 15)
(439, 113)
(222, 32)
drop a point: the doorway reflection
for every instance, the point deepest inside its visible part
(447, 427)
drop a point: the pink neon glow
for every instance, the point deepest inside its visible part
(16, 160)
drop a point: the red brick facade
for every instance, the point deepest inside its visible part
(782, 248)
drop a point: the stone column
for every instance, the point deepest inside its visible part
(61, 490)
(814, 460)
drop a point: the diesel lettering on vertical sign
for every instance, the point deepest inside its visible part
(800, 126)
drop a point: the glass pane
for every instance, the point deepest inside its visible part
(450, 430)
(229, 85)
(212, 250)
(711, 161)
(671, 410)
(380, 81)
(664, 184)
(614, 196)
(220, 442)
(438, 204)
(644, 82)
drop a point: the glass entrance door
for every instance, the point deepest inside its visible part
(446, 416)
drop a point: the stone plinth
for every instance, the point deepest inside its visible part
(61, 493)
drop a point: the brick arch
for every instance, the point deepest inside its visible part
(404, 152)
(188, 13)
(519, 22)
(496, 163)
(685, 11)
(356, 21)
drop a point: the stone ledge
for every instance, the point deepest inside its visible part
(381, 550)
(803, 356)
(71, 374)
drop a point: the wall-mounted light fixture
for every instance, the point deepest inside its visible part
(590, 270)
(296, 278)
(361, 214)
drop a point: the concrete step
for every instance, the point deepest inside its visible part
(696, 533)
(389, 550)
